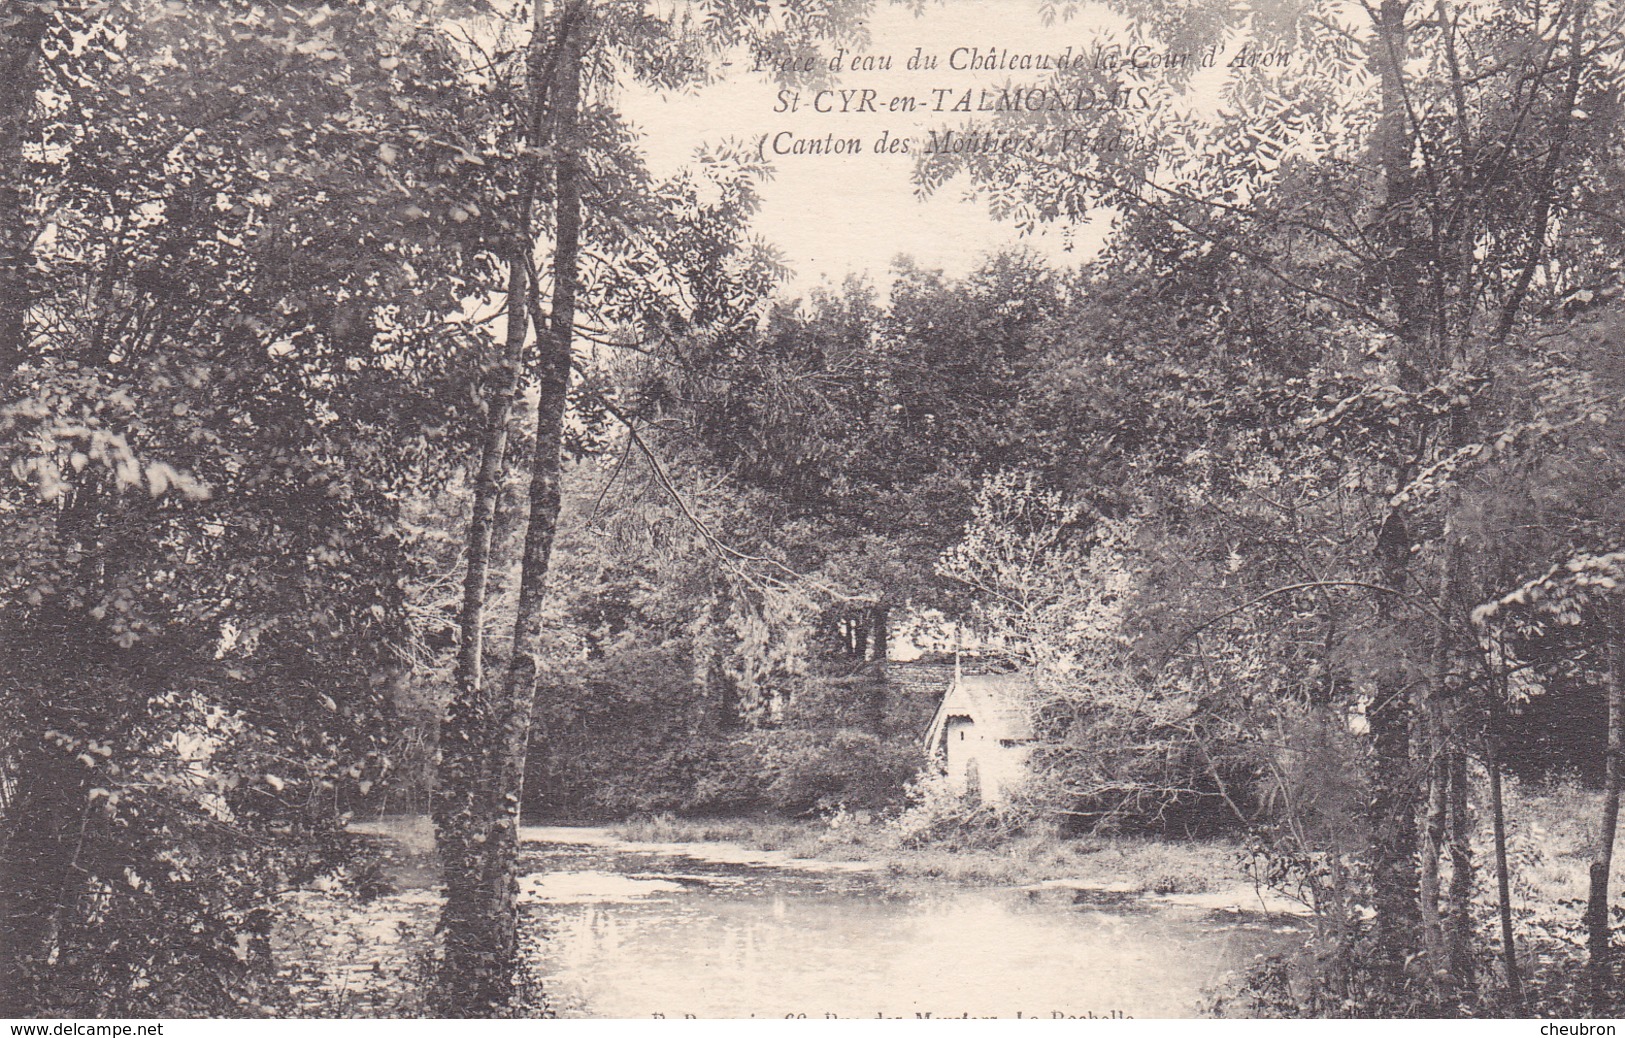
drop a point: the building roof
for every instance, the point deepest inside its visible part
(999, 704)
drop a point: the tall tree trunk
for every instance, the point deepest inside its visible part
(22, 32)
(476, 810)
(465, 733)
(1395, 877)
(1431, 711)
(1503, 873)
(1395, 880)
(1452, 756)
(1459, 923)
(499, 848)
(716, 707)
(1600, 936)
(43, 830)
(880, 649)
(1432, 843)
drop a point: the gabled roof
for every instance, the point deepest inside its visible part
(999, 704)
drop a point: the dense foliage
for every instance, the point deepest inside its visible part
(367, 406)
(203, 572)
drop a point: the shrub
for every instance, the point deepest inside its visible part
(710, 776)
(938, 816)
(626, 747)
(814, 773)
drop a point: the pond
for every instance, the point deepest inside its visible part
(647, 930)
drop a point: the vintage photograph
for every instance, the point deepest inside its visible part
(812, 509)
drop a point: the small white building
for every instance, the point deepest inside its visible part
(983, 732)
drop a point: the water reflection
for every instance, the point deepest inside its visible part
(634, 935)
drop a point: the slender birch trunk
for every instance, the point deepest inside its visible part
(1458, 915)
(464, 772)
(1459, 923)
(1599, 932)
(477, 800)
(1503, 872)
(499, 876)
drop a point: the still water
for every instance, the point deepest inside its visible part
(670, 929)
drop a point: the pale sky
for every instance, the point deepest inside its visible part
(835, 214)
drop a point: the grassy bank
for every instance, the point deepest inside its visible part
(1130, 865)
(1552, 835)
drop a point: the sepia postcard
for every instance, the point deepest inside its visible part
(845, 510)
